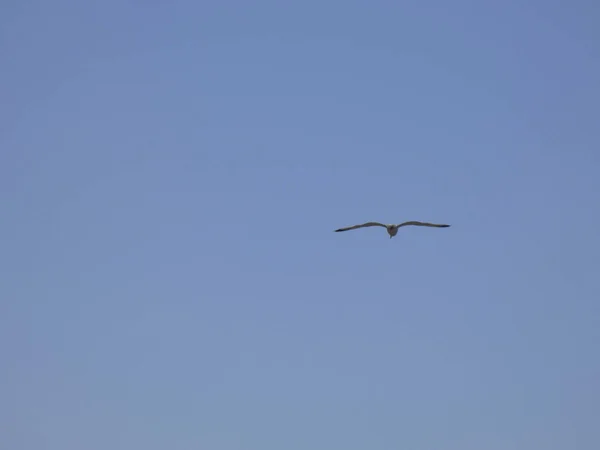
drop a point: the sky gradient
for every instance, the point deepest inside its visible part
(171, 174)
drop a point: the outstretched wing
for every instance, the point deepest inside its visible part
(422, 224)
(362, 225)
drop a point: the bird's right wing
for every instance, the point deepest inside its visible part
(362, 225)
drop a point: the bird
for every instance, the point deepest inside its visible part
(392, 229)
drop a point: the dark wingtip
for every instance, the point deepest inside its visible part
(337, 230)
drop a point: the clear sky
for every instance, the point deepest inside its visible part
(171, 174)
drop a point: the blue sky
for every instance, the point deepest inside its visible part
(171, 174)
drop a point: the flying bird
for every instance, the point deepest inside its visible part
(392, 229)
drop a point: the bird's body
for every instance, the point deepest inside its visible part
(392, 229)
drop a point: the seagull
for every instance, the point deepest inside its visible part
(392, 229)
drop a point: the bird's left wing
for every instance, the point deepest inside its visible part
(422, 224)
(368, 224)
